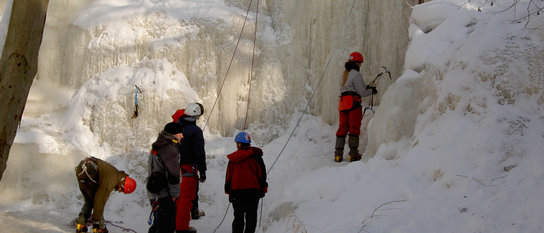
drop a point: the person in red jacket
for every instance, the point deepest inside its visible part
(245, 183)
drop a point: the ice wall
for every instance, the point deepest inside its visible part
(295, 41)
(332, 30)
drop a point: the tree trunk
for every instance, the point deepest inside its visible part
(18, 66)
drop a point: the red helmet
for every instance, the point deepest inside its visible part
(355, 56)
(129, 186)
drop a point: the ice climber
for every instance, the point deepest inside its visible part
(245, 183)
(97, 179)
(352, 88)
(164, 177)
(192, 164)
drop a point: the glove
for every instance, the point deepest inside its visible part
(202, 177)
(374, 91)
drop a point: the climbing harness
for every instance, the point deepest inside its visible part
(84, 168)
(135, 114)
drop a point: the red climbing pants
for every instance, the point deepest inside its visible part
(350, 122)
(187, 194)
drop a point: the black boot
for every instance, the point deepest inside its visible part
(353, 143)
(197, 214)
(190, 230)
(339, 148)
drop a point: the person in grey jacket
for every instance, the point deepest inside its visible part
(164, 178)
(350, 108)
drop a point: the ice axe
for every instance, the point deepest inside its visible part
(385, 71)
(135, 114)
(373, 84)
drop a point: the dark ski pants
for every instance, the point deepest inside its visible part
(194, 210)
(245, 208)
(165, 216)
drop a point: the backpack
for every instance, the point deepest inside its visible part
(156, 182)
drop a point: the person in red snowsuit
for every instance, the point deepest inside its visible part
(192, 163)
(245, 183)
(353, 87)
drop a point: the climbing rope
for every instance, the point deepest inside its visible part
(124, 229)
(366, 23)
(249, 80)
(223, 219)
(251, 69)
(228, 68)
(247, 108)
(312, 96)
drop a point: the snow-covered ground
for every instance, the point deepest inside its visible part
(455, 145)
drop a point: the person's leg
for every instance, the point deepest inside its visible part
(185, 202)
(194, 211)
(355, 118)
(166, 215)
(251, 205)
(343, 124)
(85, 213)
(341, 133)
(238, 222)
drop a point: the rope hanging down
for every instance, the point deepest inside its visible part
(251, 73)
(228, 68)
(249, 80)
(251, 69)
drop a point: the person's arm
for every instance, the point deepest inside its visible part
(258, 153)
(170, 160)
(228, 178)
(360, 85)
(200, 154)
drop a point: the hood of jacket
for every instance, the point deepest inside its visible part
(163, 139)
(242, 154)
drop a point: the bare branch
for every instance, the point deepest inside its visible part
(372, 215)
(367, 219)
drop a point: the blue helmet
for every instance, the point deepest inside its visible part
(243, 137)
